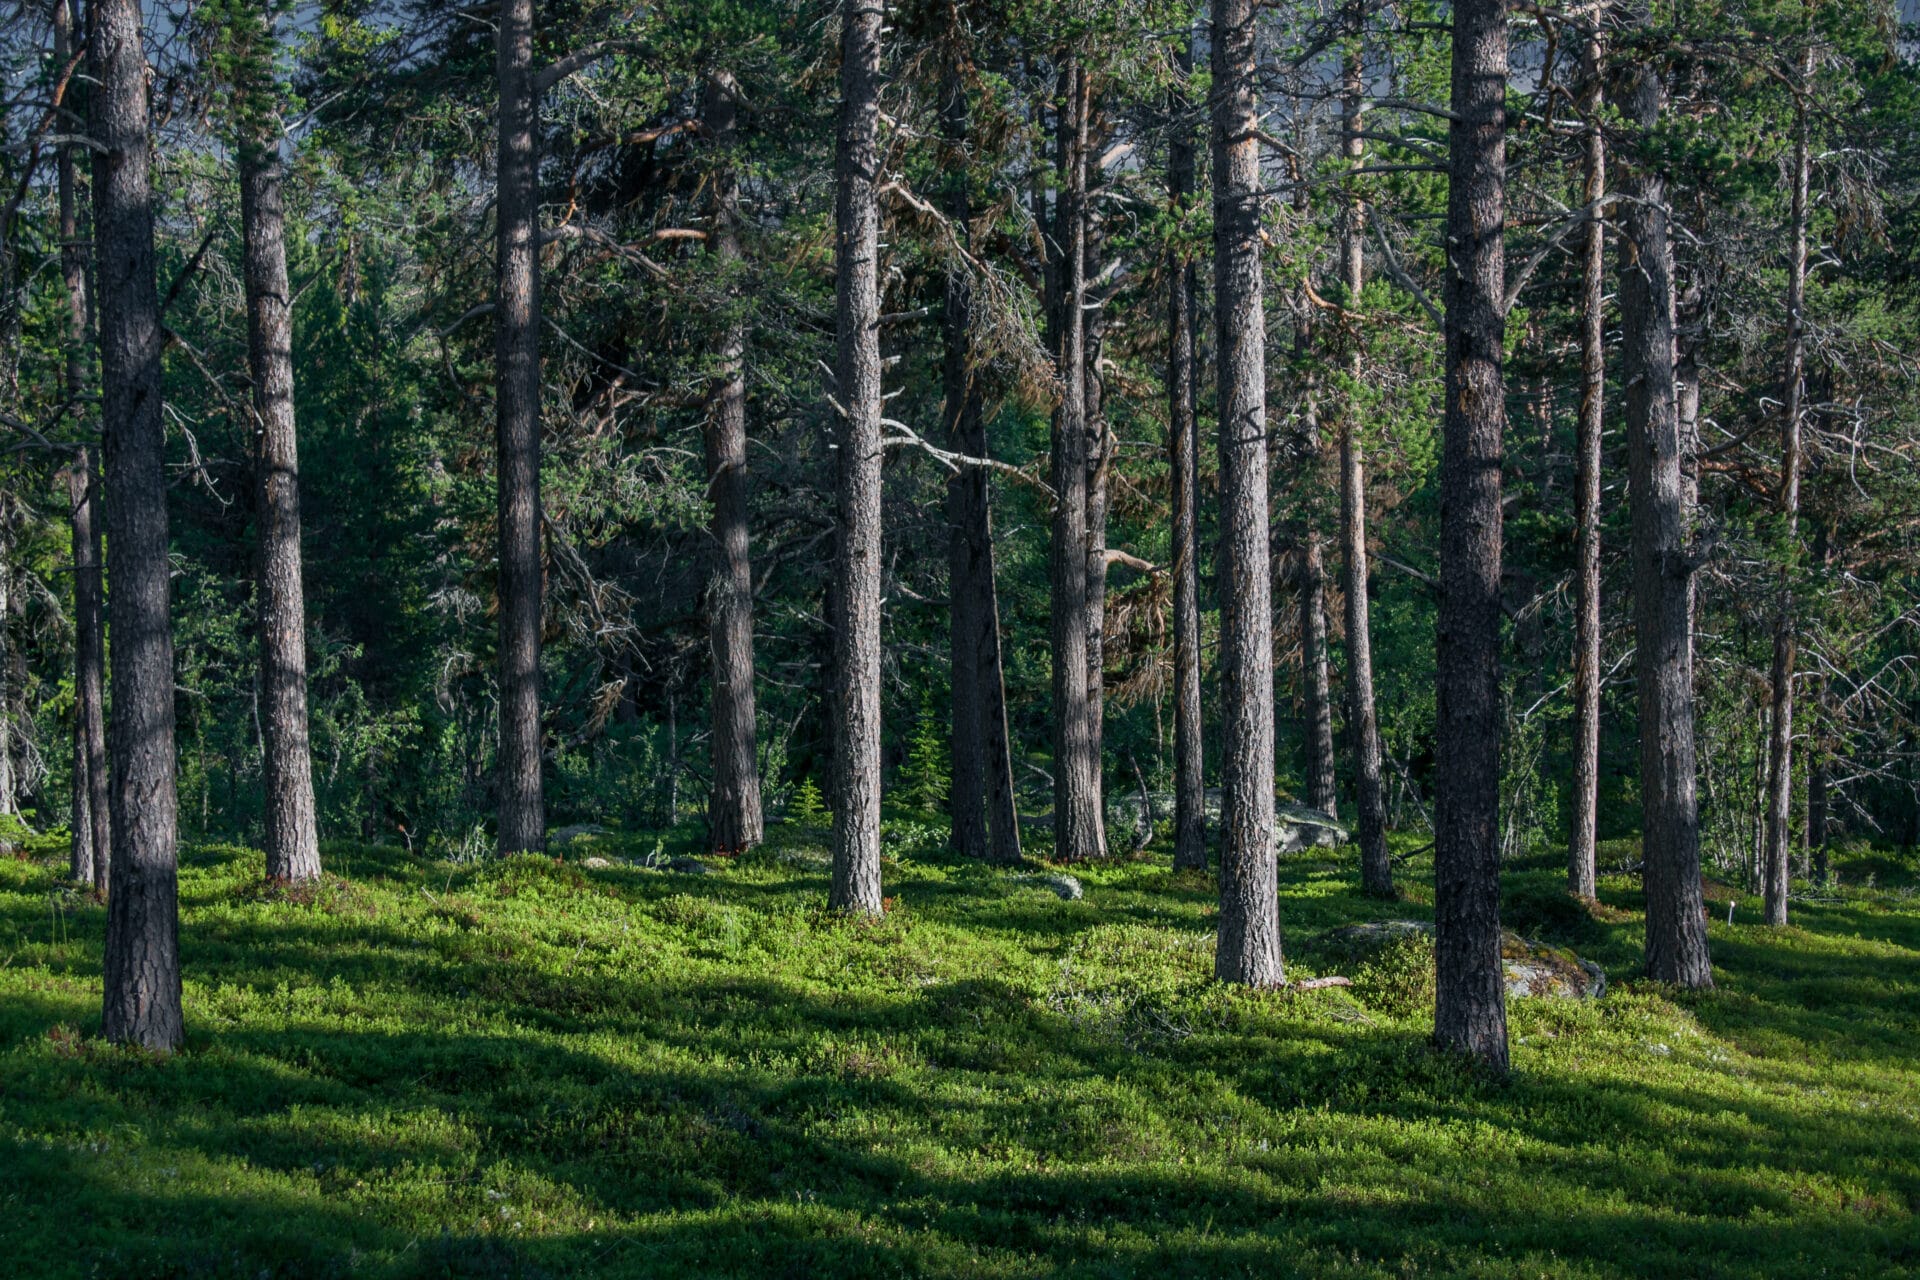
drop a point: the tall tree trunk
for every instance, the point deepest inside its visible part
(9, 801)
(79, 478)
(1100, 443)
(1363, 725)
(1662, 571)
(10, 335)
(1003, 816)
(141, 986)
(856, 733)
(1686, 394)
(293, 842)
(733, 802)
(1310, 583)
(522, 815)
(92, 803)
(1078, 820)
(17, 679)
(1815, 830)
(1819, 755)
(984, 822)
(1821, 746)
(1248, 947)
(1470, 1014)
(1593, 387)
(1321, 791)
(92, 831)
(1183, 449)
(1780, 742)
(968, 794)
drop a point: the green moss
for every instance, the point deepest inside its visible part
(532, 1068)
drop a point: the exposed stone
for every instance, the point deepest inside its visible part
(565, 836)
(596, 862)
(1067, 888)
(1531, 968)
(1297, 827)
(688, 866)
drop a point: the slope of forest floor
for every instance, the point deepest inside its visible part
(534, 1068)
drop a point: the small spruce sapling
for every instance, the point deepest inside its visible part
(808, 808)
(924, 780)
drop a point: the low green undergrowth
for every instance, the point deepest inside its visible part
(534, 1068)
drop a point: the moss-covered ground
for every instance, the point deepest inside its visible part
(534, 1068)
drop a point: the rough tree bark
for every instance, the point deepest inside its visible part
(9, 802)
(734, 820)
(92, 829)
(1662, 571)
(522, 804)
(141, 981)
(1078, 820)
(967, 735)
(1819, 756)
(1183, 449)
(985, 824)
(1322, 792)
(1099, 461)
(1310, 581)
(1470, 1013)
(292, 837)
(856, 621)
(1248, 947)
(1593, 387)
(1363, 725)
(1002, 814)
(1774, 863)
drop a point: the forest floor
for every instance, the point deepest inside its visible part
(534, 1068)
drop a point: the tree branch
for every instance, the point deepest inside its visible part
(955, 462)
(579, 60)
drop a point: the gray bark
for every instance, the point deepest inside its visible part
(9, 801)
(1662, 571)
(1774, 864)
(92, 804)
(1248, 947)
(856, 732)
(292, 836)
(734, 820)
(1470, 1007)
(1183, 448)
(1363, 725)
(985, 824)
(1819, 757)
(1078, 820)
(141, 979)
(522, 804)
(1322, 793)
(92, 829)
(1100, 443)
(1593, 386)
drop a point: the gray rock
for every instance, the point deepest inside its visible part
(596, 862)
(1530, 968)
(567, 835)
(689, 866)
(1067, 888)
(1297, 827)
(1379, 933)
